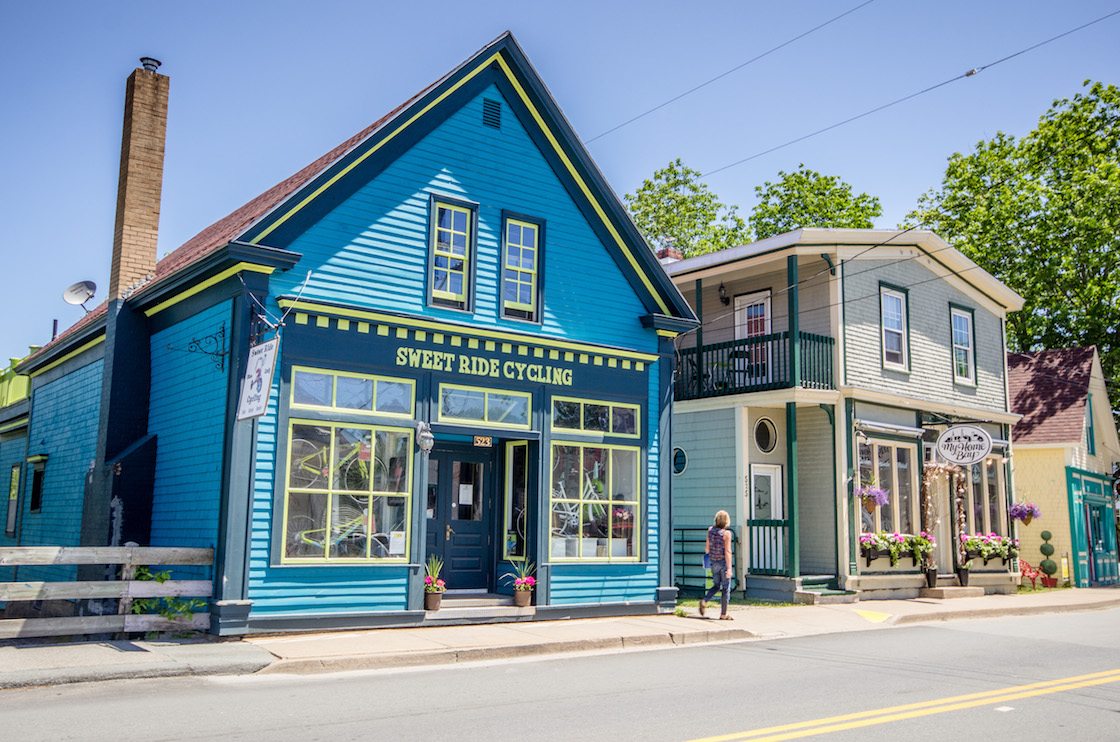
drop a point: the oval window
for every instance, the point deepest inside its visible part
(680, 460)
(765, 435)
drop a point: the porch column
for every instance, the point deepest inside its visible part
(699, 338)
(794, 557)
(794, 323)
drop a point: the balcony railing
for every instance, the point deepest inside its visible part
(753, 365)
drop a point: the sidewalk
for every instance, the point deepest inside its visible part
(29, 663)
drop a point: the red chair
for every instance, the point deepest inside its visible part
(1029, 572)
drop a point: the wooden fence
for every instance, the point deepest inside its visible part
(124, 591)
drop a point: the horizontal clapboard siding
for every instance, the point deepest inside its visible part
(372, 250)
(187, 414)
(63, 426)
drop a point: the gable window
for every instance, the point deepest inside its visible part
(894, 328)
(520, 268)
(452, 255)
(964, 357)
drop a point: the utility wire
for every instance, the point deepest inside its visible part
(970, 73)
(725, 74)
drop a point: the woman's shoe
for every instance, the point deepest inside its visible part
(725, 617)
(702, 604)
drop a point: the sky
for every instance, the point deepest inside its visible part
(260, 89)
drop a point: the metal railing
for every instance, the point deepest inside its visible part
(688, 559)
(753, 365)
(768, 540)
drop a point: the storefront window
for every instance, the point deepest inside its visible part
(590, 416)
(348, 492)
(470, 404)
(891, 467)
(986, 497)
(335, 390)
(595, 503)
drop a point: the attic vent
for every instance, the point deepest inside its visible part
(491, 113)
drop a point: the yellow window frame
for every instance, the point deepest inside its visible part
(335, 375)
(528, 397)
(332, 492)
(449, 253)
(582, 402)
(580, 502)
(520, 271)
(507, 506)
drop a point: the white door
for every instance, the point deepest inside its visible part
(767, 542)
(752, 319)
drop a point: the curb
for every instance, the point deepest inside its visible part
(1030, 610)
(479, 654)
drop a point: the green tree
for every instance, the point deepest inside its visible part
(1042, 214)
(806, 198)
(675, 209)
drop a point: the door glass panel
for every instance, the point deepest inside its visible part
(993, 501)
(433, 487)
(466, 490)
(516, 490)
(977, 511)
(763, 486)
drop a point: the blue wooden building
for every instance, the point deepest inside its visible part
(459, 268)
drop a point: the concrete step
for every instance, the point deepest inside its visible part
(825, 597)
(942, 593)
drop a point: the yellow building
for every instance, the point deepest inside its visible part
(1066, 452)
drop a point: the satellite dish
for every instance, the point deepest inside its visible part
(79, 293)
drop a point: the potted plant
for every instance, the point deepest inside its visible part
(872, 496)
(921, 546)
(1025, 512)
(433, 585)
(523, 583)
(962, 573)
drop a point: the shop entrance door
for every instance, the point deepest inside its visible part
(460, 510)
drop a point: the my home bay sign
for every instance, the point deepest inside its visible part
(964, 445)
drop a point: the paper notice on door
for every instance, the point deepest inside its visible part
(396, 543)
(466, 494)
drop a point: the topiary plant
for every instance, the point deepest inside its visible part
(1048, 566)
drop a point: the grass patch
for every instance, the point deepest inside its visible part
(1027, 589)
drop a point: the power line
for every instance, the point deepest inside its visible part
(725, 74)
(970, 73)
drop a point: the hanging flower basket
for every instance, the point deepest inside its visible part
(872, 496)
(1024, 512)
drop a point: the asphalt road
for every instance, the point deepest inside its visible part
(1053, 677)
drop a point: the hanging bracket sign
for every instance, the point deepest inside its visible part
(964, 445)
(258, 380)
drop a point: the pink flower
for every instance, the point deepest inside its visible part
(439, 583)
(428, 580)
(530, 581)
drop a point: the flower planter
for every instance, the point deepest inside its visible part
(522, 598)
(432, 601)
(931, 577)
(962, 577)
(871, 554)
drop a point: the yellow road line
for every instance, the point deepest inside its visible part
(914, 710)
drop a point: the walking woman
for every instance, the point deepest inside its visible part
(718, 549)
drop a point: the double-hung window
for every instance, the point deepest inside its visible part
(964, 354)
(893, 303)
(452, 255)
(521, 253)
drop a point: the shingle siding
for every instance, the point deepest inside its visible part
(816, 492)
(930, 360)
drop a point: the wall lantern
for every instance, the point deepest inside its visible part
(723, 295)
(424, 437)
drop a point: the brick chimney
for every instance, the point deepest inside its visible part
(668, 255)
(141, 179)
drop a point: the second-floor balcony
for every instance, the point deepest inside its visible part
(753, 365)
